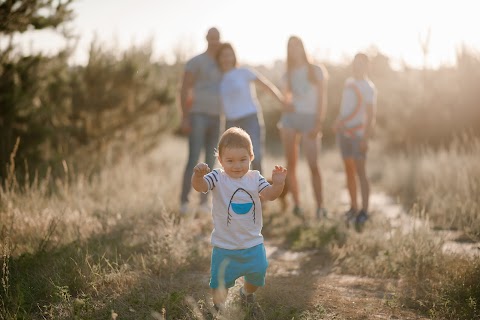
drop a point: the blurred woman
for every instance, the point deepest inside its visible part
(239, 98)
(306, 91)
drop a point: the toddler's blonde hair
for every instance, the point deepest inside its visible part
(235, 137)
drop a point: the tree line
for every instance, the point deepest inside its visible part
(54, 111)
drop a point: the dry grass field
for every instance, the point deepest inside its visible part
(110, 245)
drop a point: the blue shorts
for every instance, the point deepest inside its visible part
(297, 121)
(350, 147)
(229, 265)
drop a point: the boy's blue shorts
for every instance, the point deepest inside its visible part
(350, 147)
(229, 265)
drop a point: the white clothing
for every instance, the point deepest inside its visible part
(304, 93)
(238, 94)
(357, 94)
(236, 210)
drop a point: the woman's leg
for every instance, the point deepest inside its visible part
(310, 147)
(290, 145)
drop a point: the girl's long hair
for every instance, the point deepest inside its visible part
(311, 71)
(312, 77)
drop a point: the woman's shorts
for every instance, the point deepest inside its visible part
(297, 121)
(229, 265)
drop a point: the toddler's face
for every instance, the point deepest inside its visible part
(235, 161)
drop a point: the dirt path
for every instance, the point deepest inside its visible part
(314, 285)
(312, 281)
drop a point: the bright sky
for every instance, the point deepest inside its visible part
(331, 30)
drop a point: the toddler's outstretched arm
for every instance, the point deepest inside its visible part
(198, 183)
(279, 174)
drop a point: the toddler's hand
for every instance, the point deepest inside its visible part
(279, 174)
(201, 169)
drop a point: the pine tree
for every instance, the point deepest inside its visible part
(25, 78)
(24, 15)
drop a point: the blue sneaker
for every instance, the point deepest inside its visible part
(360, 220)
(321, 213)
(350, 216)
(298, 211)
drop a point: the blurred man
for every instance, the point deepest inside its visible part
(200, 116)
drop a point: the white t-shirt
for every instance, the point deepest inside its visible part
(304, 92)
(236, 211)
(237, 90)
(357, 94)
(207, 75)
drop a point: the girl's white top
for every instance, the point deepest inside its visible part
(304, 93)
(238, 94)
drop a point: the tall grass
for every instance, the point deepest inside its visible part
(446, 182)
(425, 278)
(109, 241)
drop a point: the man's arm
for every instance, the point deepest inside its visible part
(186, 89)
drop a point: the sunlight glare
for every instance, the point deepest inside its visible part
(332, 31)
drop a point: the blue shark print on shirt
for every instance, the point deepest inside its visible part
(241, 203)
